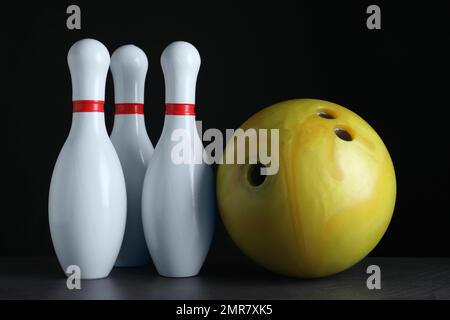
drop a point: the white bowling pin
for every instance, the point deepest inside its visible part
(129, 67)
(87, 199)
(178, 200)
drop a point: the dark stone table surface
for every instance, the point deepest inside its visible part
(227, 278)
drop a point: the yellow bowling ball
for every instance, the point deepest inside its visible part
(330, 202)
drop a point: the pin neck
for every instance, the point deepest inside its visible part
(88, 124)
(174, 122)
(129, 108)
(129, 122)
(88, 106)
(180, 109)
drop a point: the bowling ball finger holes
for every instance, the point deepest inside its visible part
(326, 114)
(254, 176)
(343, 133)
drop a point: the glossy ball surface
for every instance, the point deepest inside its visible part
(330, 202)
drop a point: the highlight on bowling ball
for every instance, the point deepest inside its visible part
(328, 205)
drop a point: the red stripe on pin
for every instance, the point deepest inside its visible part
(88, 106)
(129, 108)
(180, 109)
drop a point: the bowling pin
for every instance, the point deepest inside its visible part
(87, 198)
(178, 199)
(129, 67)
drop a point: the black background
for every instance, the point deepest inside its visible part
(255, 55)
